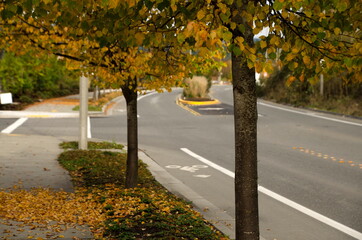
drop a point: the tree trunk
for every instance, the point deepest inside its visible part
(245, 120)
(132, 136)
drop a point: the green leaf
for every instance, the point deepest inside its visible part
(272, 55)
(237, 51)
(225, 18)
(241, 28)
(348, 62)
(181, 38)
(277, 5)
(41, 12)
(227, 36)
(342, 6)
(149, 4)
(321, 35)
(6, 14)
(28, 5)
(85, 26)
(12, 8)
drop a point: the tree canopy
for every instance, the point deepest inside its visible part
(141, 40)
(131, 39)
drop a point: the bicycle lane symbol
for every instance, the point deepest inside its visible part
(191, 169)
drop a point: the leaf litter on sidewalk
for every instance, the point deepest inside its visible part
(102, 203)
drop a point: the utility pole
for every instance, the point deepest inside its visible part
(83, 112)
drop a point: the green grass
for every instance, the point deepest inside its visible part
(91, 108)
(97, 168)
(92, 145)
(146, 212)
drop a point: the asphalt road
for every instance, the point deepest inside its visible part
(300, 158)
(311, 160)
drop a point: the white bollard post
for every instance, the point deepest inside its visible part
(83, 112)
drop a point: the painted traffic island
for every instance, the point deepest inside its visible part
(198, 101)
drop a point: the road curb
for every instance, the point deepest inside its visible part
(209, 102)
(108, 106)
(187, 108)
(34, 114)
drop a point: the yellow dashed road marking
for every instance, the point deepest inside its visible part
(187, 109)
(327, 157)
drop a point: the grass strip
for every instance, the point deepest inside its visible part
(92, 145)
(146, 212)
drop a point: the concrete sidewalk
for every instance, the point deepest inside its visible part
(30, 161)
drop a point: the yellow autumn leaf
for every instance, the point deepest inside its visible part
(200, 14)
(239, 40)
(232, 25)
(306, 60)
(131, 3)
(290, 57)
(173, 5)
(139, 38)
(252, 57)
(295, 50)
(290, 80)
(166, 209)
(286, 47)
(256, 30)
(263, 44)
(113, 3)
(258, 67)
(285, 14)
(302, 78)
(269, 67)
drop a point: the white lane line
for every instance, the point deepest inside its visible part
(347, 230)
(143, 96)
(211, 164)
(14, 126)
(89, 133)
(310, 114)
(146, 95)
(343, 228)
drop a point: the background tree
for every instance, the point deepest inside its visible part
(35, 76)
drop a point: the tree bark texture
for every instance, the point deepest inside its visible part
(245, 120)
(132, 137)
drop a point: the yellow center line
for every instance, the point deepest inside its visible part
(327, 157)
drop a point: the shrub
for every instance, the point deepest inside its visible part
(196, 87)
